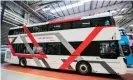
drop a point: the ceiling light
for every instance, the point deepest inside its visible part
(69, 6)
(113, 11)
(45, 9)
(123, 9)
(131, 25)
(118, 16)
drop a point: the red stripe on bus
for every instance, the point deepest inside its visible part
(65, 20)
(11, 48)
(33, 40)
(23, 54)
(81, 47)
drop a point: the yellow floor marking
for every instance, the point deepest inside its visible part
(33, 75)
(130, 72)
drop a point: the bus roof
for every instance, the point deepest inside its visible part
(66, 20)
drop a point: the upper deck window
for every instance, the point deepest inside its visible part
(81, 24)
(105, 21)
(66, 25)
(16, 31)
(94, 22)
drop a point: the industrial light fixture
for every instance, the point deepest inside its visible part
(131, 25)
(113, 11)
(118, 16)
(70, 6)
(123, 9)
(45, 9)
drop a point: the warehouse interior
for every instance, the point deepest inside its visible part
(29, 12)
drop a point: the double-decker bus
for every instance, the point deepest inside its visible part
(86, 45)
(125, 44)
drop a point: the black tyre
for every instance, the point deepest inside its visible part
(83, 68)
(22, 62)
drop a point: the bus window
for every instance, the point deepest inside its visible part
(106, 22)
(43, 47)
(92, 49)
(108, 50)
(53, 49)
(43, 28)
(35, 29)
(66, 25)
(16, 31)
(77, 24)
(86, 23)
(57, 26)
(11, 32)
(21, 31)
(100, 22)
(50, 27)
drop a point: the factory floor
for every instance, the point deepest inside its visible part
(16, 72)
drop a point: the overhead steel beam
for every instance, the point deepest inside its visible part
(128, 24)
(3, 10)
(10, 16)
(99, 10)
(41, 4)
(30, 10)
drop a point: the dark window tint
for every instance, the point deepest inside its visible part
(77, 24)
(16, 31)
(43, 47)
(75, 45)
(86, 23)
(103, 49)
(37, 29)
(43, 27)
(11, 32)
(20, 48)
(57, 26)
(51, 27)
(91, 50)
(105, 21)
(109, 50)
(19, 31)
(53, 49)
(66, 25)
(81, 24)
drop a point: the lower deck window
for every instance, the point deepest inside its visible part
(103, 49)
(109, 50)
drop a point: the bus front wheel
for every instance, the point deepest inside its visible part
(83, 68)
(22, 62)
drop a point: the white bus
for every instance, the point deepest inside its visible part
(86, 45)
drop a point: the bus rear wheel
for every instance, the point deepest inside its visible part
(83, 68)
(22, 62)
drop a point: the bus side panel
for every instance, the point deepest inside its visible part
(10, 58)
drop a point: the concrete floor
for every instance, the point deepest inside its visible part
(15, 72)
(12, 75)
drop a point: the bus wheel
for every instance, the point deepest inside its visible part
(22, 62)
(83, 68)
